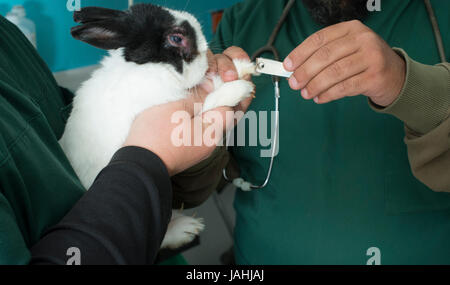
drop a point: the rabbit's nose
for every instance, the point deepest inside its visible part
(189, 51)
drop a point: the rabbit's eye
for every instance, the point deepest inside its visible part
(176, 40)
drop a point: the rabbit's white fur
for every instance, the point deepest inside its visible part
(106, 105)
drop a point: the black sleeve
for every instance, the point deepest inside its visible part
(122, 219)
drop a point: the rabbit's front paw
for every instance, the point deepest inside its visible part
(181, 231)
(229, 94)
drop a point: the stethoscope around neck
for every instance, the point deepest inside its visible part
(270, 48)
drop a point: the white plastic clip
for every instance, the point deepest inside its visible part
(271, 67)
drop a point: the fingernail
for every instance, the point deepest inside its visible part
(231, 74)
(316, 100)
(288, 63)
(294, 83)
(305, 94)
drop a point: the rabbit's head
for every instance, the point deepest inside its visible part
(148, 34)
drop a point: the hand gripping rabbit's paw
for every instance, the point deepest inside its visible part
(229, 94)
(181, 231)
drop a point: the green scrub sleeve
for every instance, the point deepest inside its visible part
(424, 107)
(194, 186)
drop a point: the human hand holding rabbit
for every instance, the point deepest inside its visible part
(156, 56)
(154, 128)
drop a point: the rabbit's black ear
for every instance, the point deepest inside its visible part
(102, 35)
(101, 27)
(94, 14)
(107, 34)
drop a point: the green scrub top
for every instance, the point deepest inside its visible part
(341, 183)
(37, 184)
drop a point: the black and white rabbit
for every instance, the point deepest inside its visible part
(155, 56)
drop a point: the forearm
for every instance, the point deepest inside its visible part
(424, 106)
(195, 185)
(424, 101)
(122, 219)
